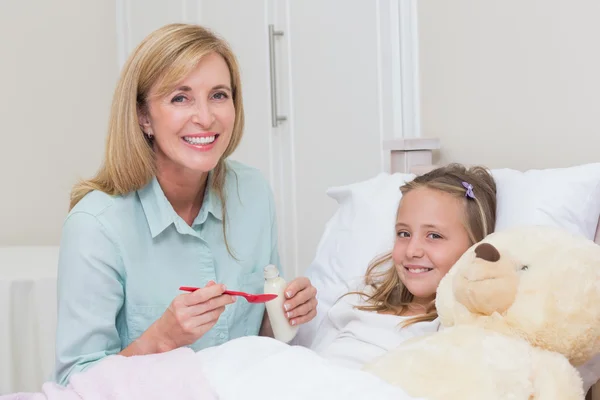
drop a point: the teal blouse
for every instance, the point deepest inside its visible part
(123, 258)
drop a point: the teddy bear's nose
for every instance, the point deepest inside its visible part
(487, 252)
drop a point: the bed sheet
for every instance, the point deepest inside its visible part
(259, 368)
(249, 368)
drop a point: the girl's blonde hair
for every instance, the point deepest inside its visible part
(386, 293)
(162, 59)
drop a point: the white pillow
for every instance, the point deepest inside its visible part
(363, 226)
(567, 198)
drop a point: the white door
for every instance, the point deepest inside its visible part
(334, 106)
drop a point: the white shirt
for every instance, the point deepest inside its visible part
(352, 337)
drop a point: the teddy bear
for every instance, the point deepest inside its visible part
(518, 312)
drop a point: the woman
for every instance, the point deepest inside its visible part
(168, 209)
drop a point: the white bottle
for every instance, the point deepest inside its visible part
(282, 329)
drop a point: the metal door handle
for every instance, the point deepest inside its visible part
(275, 118)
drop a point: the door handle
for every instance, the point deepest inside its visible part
(275, 117)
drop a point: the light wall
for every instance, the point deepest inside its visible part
(506, 84)
(58, 69)
(511, 83)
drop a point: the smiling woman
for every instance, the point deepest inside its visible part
(167, 208)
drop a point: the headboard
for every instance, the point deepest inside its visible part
(416, 156)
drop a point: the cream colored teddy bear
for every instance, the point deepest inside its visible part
(518, 310)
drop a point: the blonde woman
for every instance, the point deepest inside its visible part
(167, 209)
(440, 215)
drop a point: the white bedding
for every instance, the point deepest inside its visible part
(249, 368)
(259, 368)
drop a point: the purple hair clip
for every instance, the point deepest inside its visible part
(469, 188)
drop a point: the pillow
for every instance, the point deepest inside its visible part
(362, 228)
(567, 198)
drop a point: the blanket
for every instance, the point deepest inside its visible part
(175, 374)
(260, 368)
(249, 368)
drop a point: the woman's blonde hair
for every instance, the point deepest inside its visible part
(386, 292)
(161, 60)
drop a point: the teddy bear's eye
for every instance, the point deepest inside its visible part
(524, 268)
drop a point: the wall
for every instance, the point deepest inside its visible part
(58, 69)
(511, 83)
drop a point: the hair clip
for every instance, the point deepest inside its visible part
(469, 188)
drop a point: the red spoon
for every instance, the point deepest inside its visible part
(251, 298)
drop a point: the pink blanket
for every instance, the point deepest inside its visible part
(173, 375)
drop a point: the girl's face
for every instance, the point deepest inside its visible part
(431, 237)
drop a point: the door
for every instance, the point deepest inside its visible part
(334, 105)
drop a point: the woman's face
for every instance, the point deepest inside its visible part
(191, 127)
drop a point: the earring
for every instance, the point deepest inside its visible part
(149, 134)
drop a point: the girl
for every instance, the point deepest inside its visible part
(441, 214)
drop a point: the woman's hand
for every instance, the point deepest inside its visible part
(301, 303)
(188, 318)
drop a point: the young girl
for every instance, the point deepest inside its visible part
(440, 215)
